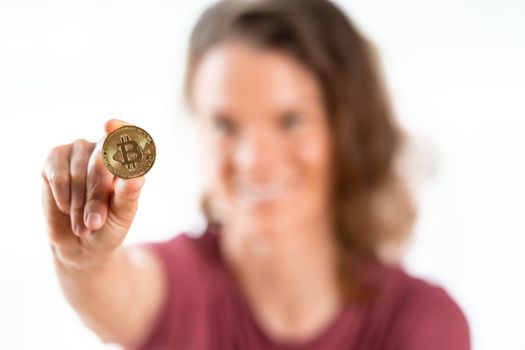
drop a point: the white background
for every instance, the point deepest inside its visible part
(456, 71)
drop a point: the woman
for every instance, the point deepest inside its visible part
(302, 199)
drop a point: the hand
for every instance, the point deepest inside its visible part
(88, 210)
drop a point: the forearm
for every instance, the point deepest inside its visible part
(104, 296)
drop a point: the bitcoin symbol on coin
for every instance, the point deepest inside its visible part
(123, 157)
(128, 152)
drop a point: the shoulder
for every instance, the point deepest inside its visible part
(426, 315)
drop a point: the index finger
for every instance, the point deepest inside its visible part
(99, 185)
(100, 182)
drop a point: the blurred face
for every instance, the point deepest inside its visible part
(265, 136)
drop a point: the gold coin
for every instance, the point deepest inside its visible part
(128, 152)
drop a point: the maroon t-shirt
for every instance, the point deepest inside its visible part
(205, 309)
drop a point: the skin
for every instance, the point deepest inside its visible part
(98, 277)
(261, 120)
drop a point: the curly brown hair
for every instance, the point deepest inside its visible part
(373, 204)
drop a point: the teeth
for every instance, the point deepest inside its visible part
(262, 192)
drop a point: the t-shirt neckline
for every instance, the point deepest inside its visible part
(324, 333)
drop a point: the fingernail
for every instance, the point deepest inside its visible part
(94, 220)
(79, 230)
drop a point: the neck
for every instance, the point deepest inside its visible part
(287, 272)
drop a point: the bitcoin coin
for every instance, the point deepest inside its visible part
(128, 152)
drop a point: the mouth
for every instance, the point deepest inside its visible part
(258, 194)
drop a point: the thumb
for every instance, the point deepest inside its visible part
(122, 208)
(125, 199)
(113, 124)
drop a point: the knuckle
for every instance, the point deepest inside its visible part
(80, 161)
(58, 151)
(55, 157)
(83, 146)
(81, 143)
(58, 179)
(95, 196)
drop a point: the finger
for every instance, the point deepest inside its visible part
(78, 170)
(124, 202)
(99, 188)
(100, 183)
(58, 225)
(56, 174)
(113, 124)
(122, 209)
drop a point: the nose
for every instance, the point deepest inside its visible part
(256, 154)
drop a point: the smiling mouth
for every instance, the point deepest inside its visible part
(261, 194)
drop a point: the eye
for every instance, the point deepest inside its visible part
(223, 124)
(291, 119)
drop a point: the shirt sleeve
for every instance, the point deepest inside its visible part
(432, 320)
